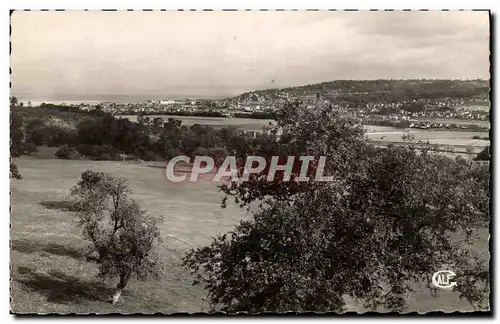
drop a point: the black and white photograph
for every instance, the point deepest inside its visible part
(250, 161)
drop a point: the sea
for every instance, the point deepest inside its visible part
(37, 99)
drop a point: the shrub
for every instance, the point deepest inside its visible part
(67, 152)
(98, 152)
(57, 136)
(171, 153)
(484, 155)
(145, 154)
(104, 152)
(460, 160)
(14, 172)
(30, 148)
(85, 149)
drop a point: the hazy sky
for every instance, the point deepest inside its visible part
(198, 53)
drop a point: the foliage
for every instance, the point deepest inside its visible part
(383, 90)
(121, 232)
(30, 148)
(389, 219)
(298, 131)
(14, 172)
(67, 152)
(53, 135)
(484, 155)
(13, 101)
(16, 134)
(154, 140)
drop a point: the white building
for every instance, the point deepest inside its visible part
(167, 102)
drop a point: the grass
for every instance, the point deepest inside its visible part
(50, 274)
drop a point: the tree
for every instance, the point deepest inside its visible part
(158, 122)
(123, 235)
(33, 131)
(16, 134)
(389, 219)
(13, 101)
(484, 155)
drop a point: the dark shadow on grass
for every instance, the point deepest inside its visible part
(60, 288)
(59, 205)
(25, 246)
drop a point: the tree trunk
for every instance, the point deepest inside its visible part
(124, 277)
(117, 295)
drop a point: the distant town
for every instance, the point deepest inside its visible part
(402, 103)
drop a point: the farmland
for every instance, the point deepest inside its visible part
(49, 273)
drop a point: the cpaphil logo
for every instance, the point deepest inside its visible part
(442, 279)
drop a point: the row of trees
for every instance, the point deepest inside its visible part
(108, 138)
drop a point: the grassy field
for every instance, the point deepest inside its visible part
(49, 273)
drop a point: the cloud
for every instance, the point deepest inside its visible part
(198, 53)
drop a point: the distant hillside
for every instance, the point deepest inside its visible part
(380, 90)
(58, 115)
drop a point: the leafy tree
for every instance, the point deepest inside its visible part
(16, 134)
(389, 219)
(158, 122)
(55, 136)
(33, 133)
(13, 101)
(67, 152)
(484, 155)
(123, 235)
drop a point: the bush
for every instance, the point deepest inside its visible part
(150, 156)
(15, 151)
(98, 152)
(57, 136)
(484, 155)
(14, 172)
(30, 148)
(122, 234)
(171, 153)
(146, 154)
(67, 152)
(84, 149)
(104, 152)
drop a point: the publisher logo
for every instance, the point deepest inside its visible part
(443, 279)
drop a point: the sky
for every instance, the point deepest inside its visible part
(197, 53)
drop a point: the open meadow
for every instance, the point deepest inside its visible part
(50, 274)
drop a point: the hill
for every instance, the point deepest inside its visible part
(379, 90)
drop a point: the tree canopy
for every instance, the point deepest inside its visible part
(123, 235)
(390, 219)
